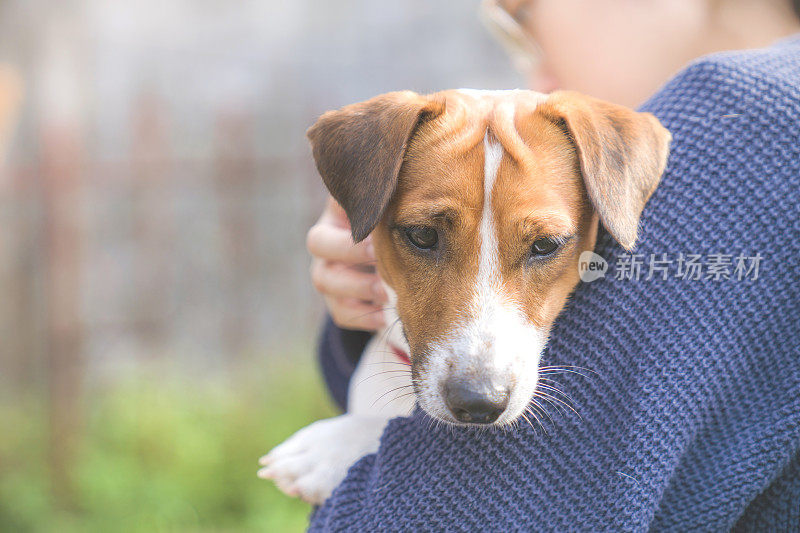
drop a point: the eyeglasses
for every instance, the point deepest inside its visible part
(524, 52)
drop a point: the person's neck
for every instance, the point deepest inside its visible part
(745, 24)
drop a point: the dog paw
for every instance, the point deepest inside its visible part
(313, 461)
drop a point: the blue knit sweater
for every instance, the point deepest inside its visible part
(691, 418)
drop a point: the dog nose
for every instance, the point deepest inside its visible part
(475, 402)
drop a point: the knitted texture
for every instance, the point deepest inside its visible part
(690, 418)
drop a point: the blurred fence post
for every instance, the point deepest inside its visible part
(153, 225)
(61, 87)
(61, 173)
(234, 182)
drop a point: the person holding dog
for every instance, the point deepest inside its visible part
(693, 419)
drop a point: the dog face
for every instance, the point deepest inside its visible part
(482, 203)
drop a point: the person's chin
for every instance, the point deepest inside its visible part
(543, 81)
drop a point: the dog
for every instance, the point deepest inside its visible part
(480, 204)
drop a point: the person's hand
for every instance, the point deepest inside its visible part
(344, 272)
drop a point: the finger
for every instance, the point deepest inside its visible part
(334, 279)
(334, 213)
(353, 314)
(333, 243)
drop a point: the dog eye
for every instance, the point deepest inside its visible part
(543, 247)
(424, 238)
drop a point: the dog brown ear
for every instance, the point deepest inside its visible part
(359, 150)
(622, 155)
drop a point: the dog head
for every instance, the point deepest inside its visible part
(481, 204)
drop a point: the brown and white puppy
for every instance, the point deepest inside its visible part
(480, 204)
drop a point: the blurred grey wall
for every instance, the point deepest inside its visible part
(157, 191)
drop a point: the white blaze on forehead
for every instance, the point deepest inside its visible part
(488, 271)
(489, 260)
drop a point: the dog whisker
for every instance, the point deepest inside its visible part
(529, 423)
(402, 371)
(388, 330)
(555, 390)
(397, 398)
(545, 395)
(553, 385)
(389, 363)
(362, 315)
(549, 379)
(393, 378)
(389, 392)
(539, 407)
(568, 368)
(538, 421)
(551, 372)
(556, 405)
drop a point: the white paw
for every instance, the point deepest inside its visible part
(313, 461)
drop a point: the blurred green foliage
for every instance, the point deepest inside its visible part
(161, 452)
